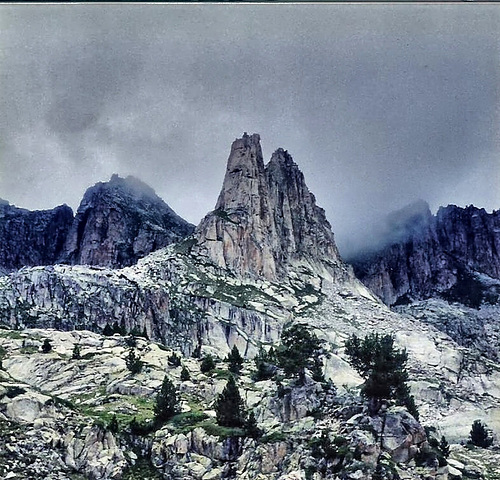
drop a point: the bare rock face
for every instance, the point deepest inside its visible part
(29, 238)
(236, 235)
(446, 256)
(119, 222)
(265, 218)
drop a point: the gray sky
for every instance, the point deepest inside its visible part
(378, 104)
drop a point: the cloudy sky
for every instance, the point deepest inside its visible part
(380, 105)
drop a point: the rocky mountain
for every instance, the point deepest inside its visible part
(119, 222)
(265, 219)
(450, 255)
(30, 238)
(265, 258)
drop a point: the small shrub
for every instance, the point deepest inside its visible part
(76, 355)
(113, 425)
(480, 435)
(207, 364)
(107, 330)
(174, 360)
(141, 428)
(46, 347)
(131, 341)
(134, 364)
(185, 375)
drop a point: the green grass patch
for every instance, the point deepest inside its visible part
(274, 437)
(29, 350)
(222, 432)
(221, 373)
(142, 470)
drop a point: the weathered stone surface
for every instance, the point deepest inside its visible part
(119, 222)
(29, 238)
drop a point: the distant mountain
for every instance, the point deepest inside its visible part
(119, 222)
(29, 238)
(454, 255)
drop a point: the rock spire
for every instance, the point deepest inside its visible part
(265, 219)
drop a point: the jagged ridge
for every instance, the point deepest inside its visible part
(439, 255)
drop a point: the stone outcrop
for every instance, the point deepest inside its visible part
(119, 222)
(29, 238)
(450, 255)
(265, 219)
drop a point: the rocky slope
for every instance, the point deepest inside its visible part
(119, 222)
(436, 256)
(56, 412)
(206, 294)
(30, 238)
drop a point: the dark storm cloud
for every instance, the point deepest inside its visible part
(380, 105)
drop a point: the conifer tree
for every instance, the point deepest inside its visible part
(134, 364)
(235, 360)
(266, 369)
(185, 375)
(444, 447)
(384, 368)
(46, 346)
(479, 435)
(76, 352)
(251, 428)
(229, 406)
(207, 364)
(167, 402)
(299, 350)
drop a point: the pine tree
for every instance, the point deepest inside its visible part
(76, 352)
(383, 366)
(251, 428)
(113, 425)
(235, 360)
(444, 447)
(207, 364)
(299, 350)
(133, 362)
(107, 330)
(185, 375)
(479, 435)
(46, 346)
(167, 402)
(266, 369)
(229, 406)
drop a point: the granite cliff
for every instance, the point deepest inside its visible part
(117, 223)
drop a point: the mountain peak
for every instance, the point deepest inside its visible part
(119, 222)
(265, 218)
